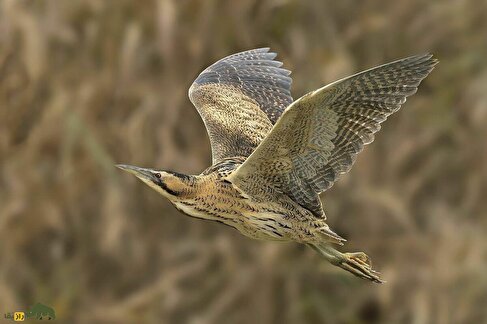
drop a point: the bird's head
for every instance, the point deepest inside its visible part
(171, 185)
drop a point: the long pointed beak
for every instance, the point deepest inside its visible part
(141, 173)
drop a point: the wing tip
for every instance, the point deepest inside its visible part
(428, 62)
(427, 59)
(261, 49)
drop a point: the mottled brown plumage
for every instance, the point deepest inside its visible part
(272, 156)
(239, 98)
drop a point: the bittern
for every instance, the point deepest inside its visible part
(272, 156)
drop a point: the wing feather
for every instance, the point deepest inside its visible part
(239, 98)
(319, 136)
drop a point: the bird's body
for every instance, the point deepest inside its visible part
(272, 156)
(270, 216)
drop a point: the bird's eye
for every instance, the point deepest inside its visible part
(158, 175)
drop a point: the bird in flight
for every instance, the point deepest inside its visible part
(272, 156)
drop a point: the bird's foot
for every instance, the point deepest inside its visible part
(357, 263)
(360, 265)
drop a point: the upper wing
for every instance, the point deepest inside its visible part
(319, 135)
(239, 98)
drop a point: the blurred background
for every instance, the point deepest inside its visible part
(85, 84)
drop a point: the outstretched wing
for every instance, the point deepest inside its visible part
(239, 98)
(318, 137)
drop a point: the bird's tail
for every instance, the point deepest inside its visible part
(357, 263)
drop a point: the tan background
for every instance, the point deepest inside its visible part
(86, 84)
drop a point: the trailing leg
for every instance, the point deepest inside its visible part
(357, 263)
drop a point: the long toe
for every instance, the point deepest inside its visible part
(360, 257)
(359, 264)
